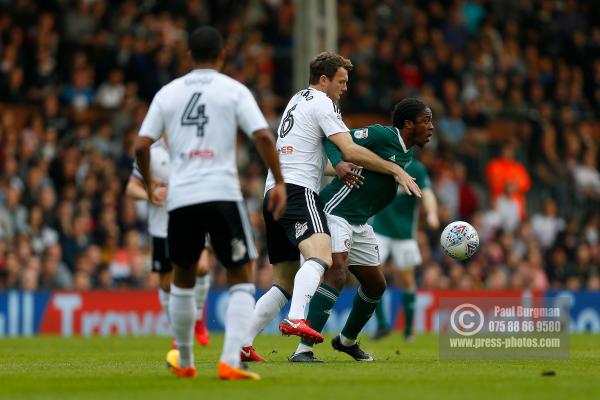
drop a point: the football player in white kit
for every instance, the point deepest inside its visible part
(200, 113)
(157, 228)
(310, 115)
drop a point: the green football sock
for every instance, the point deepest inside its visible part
(362, 310)
(319, 308)
(380, 315)
(408, 302)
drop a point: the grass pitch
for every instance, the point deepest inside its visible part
(133, 368)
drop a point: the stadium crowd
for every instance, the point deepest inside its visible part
(514, 87)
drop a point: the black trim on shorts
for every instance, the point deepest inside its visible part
(160, 256)
(303, 217)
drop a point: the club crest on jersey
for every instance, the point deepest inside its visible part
(238, 249)
(347, 243)
(361, 133)
(300, 229)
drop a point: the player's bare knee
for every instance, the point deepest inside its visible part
(284, 274)
(184, 277)
(325, 260)
(284, 284)
(317, 246)
(336, 276)
(378, 288)
(375, 286)
(240, 274)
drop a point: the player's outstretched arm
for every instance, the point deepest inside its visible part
(265, 145)
(366, 158)
(343, 169)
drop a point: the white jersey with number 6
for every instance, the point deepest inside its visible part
(200, 113)
(309, 116)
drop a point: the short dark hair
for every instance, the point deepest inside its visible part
(205, 43)
(407, 109)
(327, 64)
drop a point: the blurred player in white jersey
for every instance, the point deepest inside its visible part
(200, 113)
(157, 227)
(310, 115)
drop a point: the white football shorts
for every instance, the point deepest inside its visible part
(405, 252)
(358, 240)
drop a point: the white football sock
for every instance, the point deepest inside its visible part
(267, 308)
(201, 293)
(163, 298)
(345, 341)
(237, 321)
(303, 348)
(305, 284)
(182, 308)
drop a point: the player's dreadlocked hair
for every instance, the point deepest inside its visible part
(407, 109)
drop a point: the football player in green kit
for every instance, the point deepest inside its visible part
(396, 229)
(354, 245)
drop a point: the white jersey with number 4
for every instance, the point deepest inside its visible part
(309, 116)
(158, 218)
(200, 113)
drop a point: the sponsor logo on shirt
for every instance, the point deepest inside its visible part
(393, 158)
(361, 133)
(197, 153)
(301, 228)
(286, 149)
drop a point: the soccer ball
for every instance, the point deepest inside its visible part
(459, 240)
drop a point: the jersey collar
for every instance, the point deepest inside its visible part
(400, 139)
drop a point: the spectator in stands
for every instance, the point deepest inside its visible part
(77, 240)
(111, 92)
(79, 93)
(54, 273)
(547, 225)
(587, 177)
(506, 170)
(17, 212)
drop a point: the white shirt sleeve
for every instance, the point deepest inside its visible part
(248, 115)
(135, 171)
(329, 120)
(154, 122)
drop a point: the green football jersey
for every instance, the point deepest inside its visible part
(399, 220)
(357, 205)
